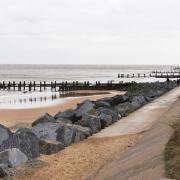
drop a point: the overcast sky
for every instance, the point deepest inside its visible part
(90, 31)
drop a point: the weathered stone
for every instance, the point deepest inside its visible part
(113, 113)
(105, 119)
(43, 119)
(67, 114)
(81, 133)
(24, 140)
(90, 121)
(62, 120)
(119, 99)
(4, 133)
(50, 146)
(83, 108)
(47, 130)
(124, 108)
(3, 172)
(12, 157)
(101, 103)
(138, 101)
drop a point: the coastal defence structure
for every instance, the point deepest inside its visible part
(174, 73)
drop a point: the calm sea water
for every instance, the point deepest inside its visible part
(70, 72)
(60, 73)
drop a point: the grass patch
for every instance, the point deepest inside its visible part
(172, 154)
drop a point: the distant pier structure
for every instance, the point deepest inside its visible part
(173, 73)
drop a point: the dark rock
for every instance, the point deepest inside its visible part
(90, 121)
(12, 157)
(43, 119)
(105, 119)
(47, 130)
(119, 99)
(83, 108)
(50, 146)
(24, 140)
(3, 172)
(67, 114)
(72, 134)
(62, 120)
(124, 108)
(101, 103)
(4, 133)
(113, 113)
(138, 101)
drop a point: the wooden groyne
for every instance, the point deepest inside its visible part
(56, 86)
(158, 74)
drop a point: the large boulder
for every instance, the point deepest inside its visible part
(50, 146)
(105, 119)
(4, 133)
(113, 113)
(67, 114)
(124, 108)
(63, 121)
(24, 140)
(3, 172)
(43, 119)
(84, 108)
(138, 101)
(47, 130)
(12, 157)
(72, 133)
(101, 103)
(91, 121)
(119, 99)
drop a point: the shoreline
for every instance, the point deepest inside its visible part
(15, 118)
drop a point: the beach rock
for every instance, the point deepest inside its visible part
(81, 133)
(138, 101)
(124, 108)
(101, 103)
(119, 99)
(47, 130)
(63, 120)
(4, 133)
(12, 157)
(90, 121)
(84, 108)
(105, 119)
(113, 113)
(67, 114)
(3, 172)
(50, 146)
(24, 140)
(44, 119)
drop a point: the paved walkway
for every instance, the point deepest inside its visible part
(145, 160)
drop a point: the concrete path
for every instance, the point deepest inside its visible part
(145, 160)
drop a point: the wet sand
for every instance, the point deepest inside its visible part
(15, 118)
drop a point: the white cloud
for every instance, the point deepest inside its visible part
(90, 31)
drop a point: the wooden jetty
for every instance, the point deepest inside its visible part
(56, 86)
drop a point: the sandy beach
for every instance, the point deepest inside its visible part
(15, 118)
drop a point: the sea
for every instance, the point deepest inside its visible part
(59, 73)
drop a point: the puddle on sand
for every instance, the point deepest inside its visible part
(39, 99)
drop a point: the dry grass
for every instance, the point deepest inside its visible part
(172, 153)
(80, 161)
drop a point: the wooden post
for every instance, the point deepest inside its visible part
(14, 85)
(24, 84)
(44, 85)
(40, 85)
(55, 85)
(34, 86)
(30, 86)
